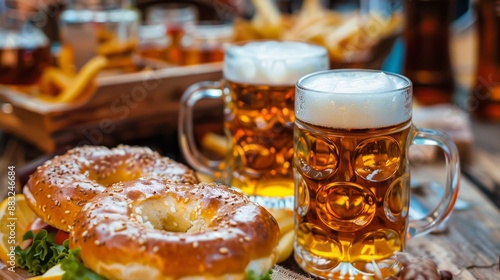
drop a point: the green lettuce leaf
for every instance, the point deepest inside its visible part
(42, 254)
(251, 275)
(75, 270)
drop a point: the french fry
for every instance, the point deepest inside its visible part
(285, 219)
(286, 225)
(204, 178)
(54, 81)
(87, 91)
(278, 214)
(65, 60)
(82, 80)
(336, 40)
(312, 29)
(268, 20)
(285, 246)
(215, 143)
(114, 46)
(311, 9)
(244, 30)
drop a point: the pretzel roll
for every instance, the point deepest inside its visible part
(162, 230)
(60, 187)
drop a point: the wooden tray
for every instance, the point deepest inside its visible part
(125, 104)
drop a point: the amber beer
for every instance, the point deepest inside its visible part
(205, 43)
(23, 57)
(259, 116)
(362, 200)
(352, 131)
(259, 96)
(261, 126)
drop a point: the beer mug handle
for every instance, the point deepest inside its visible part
(189, 149)
(424, 136)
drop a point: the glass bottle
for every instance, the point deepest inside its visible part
(176, 18)
(427, 60)
(484, 101)
(152, 42)
(99, 27)
(24, 49)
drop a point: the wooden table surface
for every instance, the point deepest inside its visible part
(469, 248)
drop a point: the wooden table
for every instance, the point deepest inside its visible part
(469, 248)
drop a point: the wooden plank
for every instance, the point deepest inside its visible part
(18, 273)
(483, 171)
(470, 247)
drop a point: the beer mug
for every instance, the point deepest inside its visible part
(258, 91)
(204, 42)
(352, 131)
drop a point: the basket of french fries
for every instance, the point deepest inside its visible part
(361, 37)
(70, 108)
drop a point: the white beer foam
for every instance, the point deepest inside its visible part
(273, 62)
(353, 99)
(29, 39)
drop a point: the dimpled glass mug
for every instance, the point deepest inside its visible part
(258, 90)
(352, 133)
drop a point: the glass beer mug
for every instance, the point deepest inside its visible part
(24, 49)
(99, 27)
(258, 91)
(205, 41)
(176, 18)
(353, 130)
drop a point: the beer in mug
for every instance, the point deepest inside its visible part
(259, 96)
(352, 133)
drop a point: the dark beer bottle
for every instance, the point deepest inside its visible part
(427, 60)
(484, 101)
